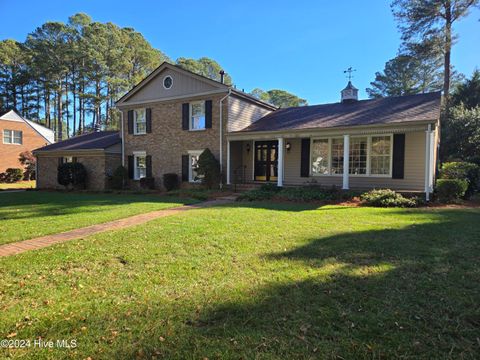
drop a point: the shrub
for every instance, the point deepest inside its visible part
(119, 178)
(28, 161)
(256, 195)
(73, 174)
(451, 190)
(462, 170)
(147, 183)
(13, 175)
(170, 181)
(386, 198)
(208, 168)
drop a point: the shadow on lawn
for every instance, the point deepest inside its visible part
(410, 292)
(40, 204)
(382, 294)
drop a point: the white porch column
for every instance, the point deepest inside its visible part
(346, 159)
(281, 150)
(428, 159)
(228, 162)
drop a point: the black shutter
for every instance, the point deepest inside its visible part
(398, 156)
(60, 161)
(185, 115)
(148, 116)
(130, 121)
(74, 159)
(305, 158)
(148, 163)
(208, 114)
(131, 166)
(185, 168)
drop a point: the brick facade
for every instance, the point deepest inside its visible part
(98, 165)
(31, 140)
(168, 142)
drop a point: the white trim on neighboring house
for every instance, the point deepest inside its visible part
(43, 131)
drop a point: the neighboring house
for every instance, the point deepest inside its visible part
(99, 152)
(172, 115)
(19, 135)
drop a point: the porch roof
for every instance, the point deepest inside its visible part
(385, 111)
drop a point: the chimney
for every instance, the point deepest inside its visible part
(349, 94)
(222, 74)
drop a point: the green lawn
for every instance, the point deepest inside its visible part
(256, 281)
(18, 185)
(24, 215)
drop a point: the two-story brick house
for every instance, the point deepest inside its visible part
(171, 116)
(19, 135)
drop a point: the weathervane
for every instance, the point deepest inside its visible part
(350, 70)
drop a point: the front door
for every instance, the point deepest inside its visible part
(266, 160)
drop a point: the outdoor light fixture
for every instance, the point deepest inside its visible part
(248, 147)
(288, 146)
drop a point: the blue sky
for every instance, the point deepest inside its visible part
(299, 46)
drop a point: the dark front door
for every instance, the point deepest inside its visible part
(266, 160)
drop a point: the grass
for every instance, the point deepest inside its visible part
(30, 184)
(25, 215)
(256, 281)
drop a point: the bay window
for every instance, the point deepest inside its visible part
(368, 156)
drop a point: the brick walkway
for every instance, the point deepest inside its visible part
(44, 241)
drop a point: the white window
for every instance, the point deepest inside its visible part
(320, 159)
(193, 164)
(358, 156)
(139, 122)
(12, 137)
(140, 164)
(197, 115)
(68, 159)
(380, 154)
(368, 155)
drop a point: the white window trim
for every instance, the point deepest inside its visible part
(369, 143)
(190, 173)
(135, 121)
(190, 112)
(12, 137)
(135, 170)
(163, 82)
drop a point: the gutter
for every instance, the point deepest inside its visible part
(123, 142)
(221, 136)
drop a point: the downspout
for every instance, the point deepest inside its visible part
(123, 143)
(427, 162)
(221, 136)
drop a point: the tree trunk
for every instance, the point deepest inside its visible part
(66, 106)
(448, 49)
(59, 114)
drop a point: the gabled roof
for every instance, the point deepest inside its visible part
(216, 84)
(99, 140)
(158, 70)
(384, 111)
(45, 132)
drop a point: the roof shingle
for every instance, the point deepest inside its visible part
(400, 109)
(90, 141)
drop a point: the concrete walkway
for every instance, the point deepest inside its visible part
(44, 241)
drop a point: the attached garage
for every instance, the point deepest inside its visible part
(100, 152)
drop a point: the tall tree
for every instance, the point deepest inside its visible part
(204, 66)
(430, 22)
(468, 92)
(279, 98)
(406, 75)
